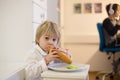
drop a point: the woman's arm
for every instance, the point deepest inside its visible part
(109, 27)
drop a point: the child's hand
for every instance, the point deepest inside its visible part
(52, 55)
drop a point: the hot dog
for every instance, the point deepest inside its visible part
(64, 57)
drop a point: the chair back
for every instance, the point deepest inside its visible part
(101, 37)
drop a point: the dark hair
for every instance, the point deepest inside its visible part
(114, 7)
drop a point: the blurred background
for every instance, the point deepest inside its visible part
(76, 18)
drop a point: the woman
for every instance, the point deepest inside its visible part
(111, 24)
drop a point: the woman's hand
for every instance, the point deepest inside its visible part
(118, 22)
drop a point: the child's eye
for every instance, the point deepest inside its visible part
(47, 38)
(54, 39)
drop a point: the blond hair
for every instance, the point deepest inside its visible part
(49, 28)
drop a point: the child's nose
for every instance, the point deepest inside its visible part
(51, 41)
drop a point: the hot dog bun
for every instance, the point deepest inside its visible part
(64, 57)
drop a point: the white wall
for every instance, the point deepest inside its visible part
(16, 33)
(15, 29)
(52, 13)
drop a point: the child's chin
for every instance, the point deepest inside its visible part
(45, 50)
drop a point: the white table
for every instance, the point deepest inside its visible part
(74, 75)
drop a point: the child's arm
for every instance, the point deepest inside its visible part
(35, 66)
(52, 55)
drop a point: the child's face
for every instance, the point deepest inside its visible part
(46, 41)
